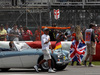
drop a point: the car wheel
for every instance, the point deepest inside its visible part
(4, 69)
(60, 67)
(45, 67)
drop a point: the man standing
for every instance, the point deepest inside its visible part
(52, 33)
(90, 41)
(3, 33)
(8, 30)
(14, 34)
(38, 34)
(27, 34)
(45, 39)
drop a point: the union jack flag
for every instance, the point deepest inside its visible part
(77, 51)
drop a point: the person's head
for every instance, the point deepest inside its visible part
(60, 32)
(84, 28)
(38, 27)
(6, 26)
(15, 26)
(1, 26)
(10, 44)
(77, 29)
(54, 25)
(20, 27)
(98, 29)
(46, 31)
(25, 28)
(92, 25)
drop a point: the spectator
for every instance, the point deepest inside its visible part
(52, 33)
(99, 33)
(38, 34)
(20, 33)
(83, 32)
(90, 41)
(8, 31)
(3, 33)
(73, 33)
(14, 34)
(60, 36)
(12, 46)
(27, 34)
(68, 34)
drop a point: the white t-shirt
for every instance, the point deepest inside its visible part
(44, 39)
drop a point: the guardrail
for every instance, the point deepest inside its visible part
(93, 1)
(37, 2)
(67, 2)
(8, 3)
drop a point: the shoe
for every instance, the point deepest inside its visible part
(84, 63)
(36, 68)
(90, 65)
(51, 71)
(72, 63)
(78, 64)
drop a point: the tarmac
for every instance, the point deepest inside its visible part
(70, 70)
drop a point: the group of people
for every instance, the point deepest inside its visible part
(15, 34)
(89, 43)
(90, 39)
(48, 35)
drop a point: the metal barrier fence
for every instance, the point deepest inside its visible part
(25, 3)
(32, 17)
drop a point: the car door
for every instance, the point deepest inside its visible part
(1, 62)
(11, 59)
(30, 57)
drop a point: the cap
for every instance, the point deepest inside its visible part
(1, 25)
(45, 29)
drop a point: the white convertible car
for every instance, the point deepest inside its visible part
(23, 56)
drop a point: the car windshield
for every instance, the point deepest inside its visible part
(21, 45)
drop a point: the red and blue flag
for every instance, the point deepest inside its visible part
(77, 51)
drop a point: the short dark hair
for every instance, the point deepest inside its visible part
(91, 25)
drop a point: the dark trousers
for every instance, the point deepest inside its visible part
(14, 2)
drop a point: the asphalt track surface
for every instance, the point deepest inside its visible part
(70, 70)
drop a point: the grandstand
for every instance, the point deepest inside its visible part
(40, 12)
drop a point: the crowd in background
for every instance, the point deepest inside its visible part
(22, 33)
(15, 33)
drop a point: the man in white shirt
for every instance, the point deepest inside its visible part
(45, 40)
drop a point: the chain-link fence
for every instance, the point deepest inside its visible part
(32, 19)
(34, 16)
